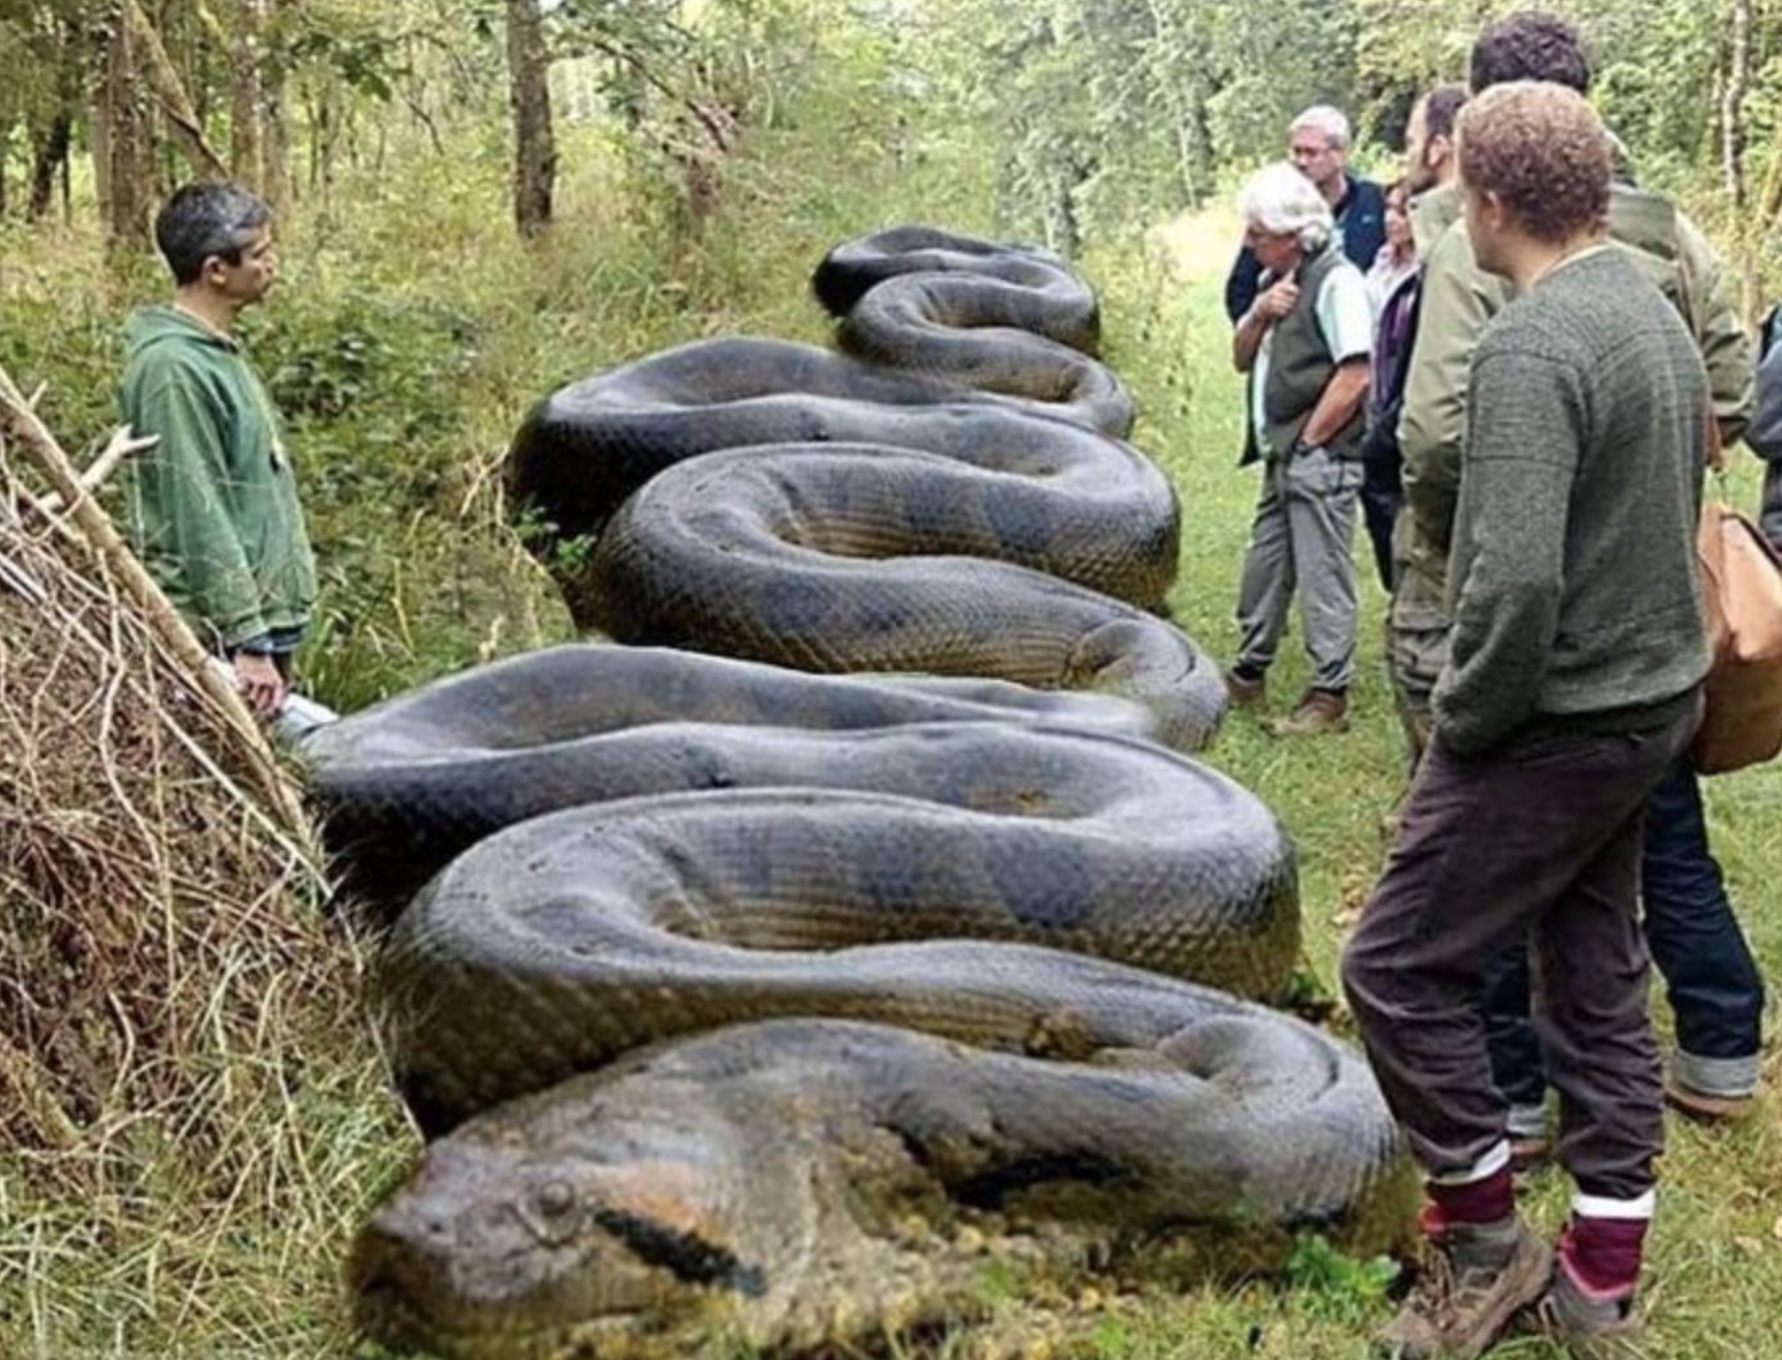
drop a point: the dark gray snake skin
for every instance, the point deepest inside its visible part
(410, 784)
(805, 936)
(962, 505)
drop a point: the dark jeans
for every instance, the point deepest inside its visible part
(1771, 511)
(1711, 979)
(1381, 496)
(1539, 837)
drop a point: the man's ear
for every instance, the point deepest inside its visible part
(214, 271)
(1497, 212)
(1437, 152)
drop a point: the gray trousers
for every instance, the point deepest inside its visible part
(1300, 540)
(1539, 836)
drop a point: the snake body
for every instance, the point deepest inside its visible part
(816, 946)
(806, 1184)
(410, 784)
(961, 505)
(556, 945)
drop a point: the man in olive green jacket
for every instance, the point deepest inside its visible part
(1458, 299)
(213, 507)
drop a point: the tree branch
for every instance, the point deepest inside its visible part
(719, 135)
(120, 447)
(171, 93)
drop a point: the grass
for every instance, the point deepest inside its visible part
(410, 335)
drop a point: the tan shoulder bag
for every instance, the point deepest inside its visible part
(1742, 615)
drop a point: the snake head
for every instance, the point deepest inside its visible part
(498, 1248)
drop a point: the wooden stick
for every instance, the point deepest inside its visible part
(122, 445)
(103, 540)
(16, 579)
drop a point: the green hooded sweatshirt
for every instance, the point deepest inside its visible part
(213, 506)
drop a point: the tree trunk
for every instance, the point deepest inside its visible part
(48, 150)
(247, 127)
(99, 142)
(275, 147)
(1732, 150)
(327, 139)
(529, 93)
(170, 90)
(121, 151)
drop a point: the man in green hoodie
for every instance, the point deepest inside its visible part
(213, 506)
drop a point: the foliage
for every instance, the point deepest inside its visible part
(1109, 112)
(1338, 1286)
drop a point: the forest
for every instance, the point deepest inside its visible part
(478, 201)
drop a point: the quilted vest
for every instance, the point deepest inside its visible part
(1300, 366)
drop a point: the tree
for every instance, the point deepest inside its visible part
(1109, 109)
(122, 151)
(1732, 143)
(43, 92)
(535, 153)
(163, 78)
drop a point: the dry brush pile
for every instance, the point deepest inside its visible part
(180, 1026)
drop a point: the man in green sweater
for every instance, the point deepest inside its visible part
(1711, 976)
(213, 507)
(1572, 683)
(1458, 298)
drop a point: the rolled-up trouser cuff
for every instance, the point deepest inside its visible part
(1494, 1161)
(1597, 1206)
(1527, 1121)
(1725, 1078)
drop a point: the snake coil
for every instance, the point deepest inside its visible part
(803, 936)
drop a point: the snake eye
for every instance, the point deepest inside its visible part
(551, 1211)
(555, 1198)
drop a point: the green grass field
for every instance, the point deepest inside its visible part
(413, 366)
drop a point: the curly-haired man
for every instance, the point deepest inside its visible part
(1572, 684)
(1712, 979)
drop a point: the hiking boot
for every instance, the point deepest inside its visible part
(1482, 1276)
(1320, 710)
(1247, 690)
(1704, 1108)
(1590, 1328)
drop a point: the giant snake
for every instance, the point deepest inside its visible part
(737, 995)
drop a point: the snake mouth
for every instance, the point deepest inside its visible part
(391, 1311)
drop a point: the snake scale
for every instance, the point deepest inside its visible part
(741, 1001)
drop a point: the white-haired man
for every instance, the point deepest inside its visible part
(1318, 145)
(1305, 344)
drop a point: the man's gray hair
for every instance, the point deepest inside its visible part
(1326, 119)
(1283, 202)
(205, 219)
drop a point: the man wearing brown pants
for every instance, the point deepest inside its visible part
(1572, 684)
